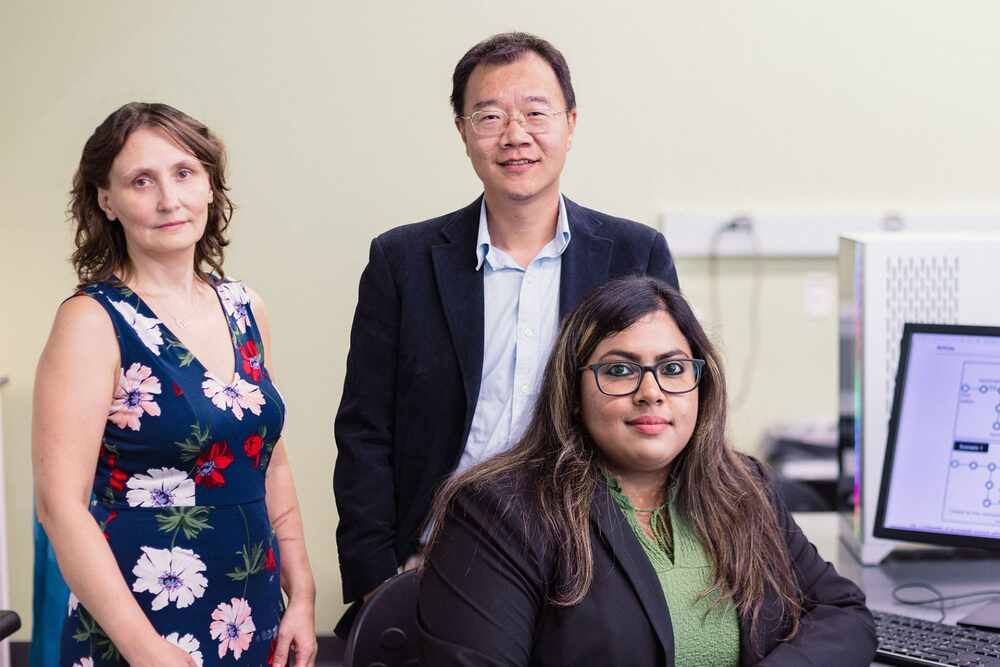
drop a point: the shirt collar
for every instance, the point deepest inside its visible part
(555, 248)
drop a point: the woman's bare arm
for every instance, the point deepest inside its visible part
(74, 384)
(298, 624)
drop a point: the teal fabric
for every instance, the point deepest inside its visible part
(50, 600)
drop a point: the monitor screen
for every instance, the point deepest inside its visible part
(941, 478)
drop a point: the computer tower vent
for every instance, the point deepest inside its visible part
(921, 289)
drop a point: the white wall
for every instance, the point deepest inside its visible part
(338, 127)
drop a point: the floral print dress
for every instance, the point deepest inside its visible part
(179, 490)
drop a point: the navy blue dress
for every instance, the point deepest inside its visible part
(179, 490)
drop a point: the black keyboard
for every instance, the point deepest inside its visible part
(903, 640)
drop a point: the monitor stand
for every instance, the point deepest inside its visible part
(986, 618)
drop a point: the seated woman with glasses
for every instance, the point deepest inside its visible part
(622, 529)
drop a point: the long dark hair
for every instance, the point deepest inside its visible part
(101, 251)
(716, 490)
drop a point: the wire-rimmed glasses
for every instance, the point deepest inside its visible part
(621, 378)
(493, 122)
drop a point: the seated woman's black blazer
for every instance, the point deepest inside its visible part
(484, 588)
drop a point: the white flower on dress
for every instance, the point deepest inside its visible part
(133, 396)
(84, 662)
(232, 626)
(240, 395)
(236, 301)
(148, 328)
(173, 575)
(160, 487)
(188, 644)
(74, 602)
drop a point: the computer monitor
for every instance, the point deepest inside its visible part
(941, 477)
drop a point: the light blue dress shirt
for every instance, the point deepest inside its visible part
(522, 321)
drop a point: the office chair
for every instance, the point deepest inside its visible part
(10, 623)
(385, 632)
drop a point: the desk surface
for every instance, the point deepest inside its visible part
(949, 576)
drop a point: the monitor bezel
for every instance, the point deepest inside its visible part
(880, 529)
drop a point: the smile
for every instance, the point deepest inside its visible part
(518, 165)
(648, 425)
(172, 225)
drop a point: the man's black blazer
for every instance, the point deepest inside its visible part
(415, 366)
(484, 587)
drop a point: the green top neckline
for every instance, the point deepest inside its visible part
(661, 548)
(704, 634)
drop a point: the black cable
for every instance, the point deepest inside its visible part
(743, 224)
(938, 597)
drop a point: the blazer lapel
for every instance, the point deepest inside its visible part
(770, 617)
(587, 260)
(460, 286)
(633, 560)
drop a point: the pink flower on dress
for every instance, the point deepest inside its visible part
(134, 396)
(238, 396)
(233, 627)
(236, 301)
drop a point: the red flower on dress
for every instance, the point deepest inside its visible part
(208, 467)
(274, 647)
(270, 563)
(251, 360)
(177, 389)
(252, 446)
(117, 479)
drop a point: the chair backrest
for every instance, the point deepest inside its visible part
(385, 631)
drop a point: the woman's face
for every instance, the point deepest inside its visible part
(159, 193)
(641, 433)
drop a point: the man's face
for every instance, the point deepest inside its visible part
(518, 165)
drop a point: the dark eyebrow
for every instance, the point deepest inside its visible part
(485, 103)
(186, 163)
(540, 99)
(634, 357)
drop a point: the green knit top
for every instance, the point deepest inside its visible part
(703, 635)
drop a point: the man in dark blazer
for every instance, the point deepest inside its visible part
(456, 315)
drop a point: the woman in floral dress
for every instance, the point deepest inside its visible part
(160, 474)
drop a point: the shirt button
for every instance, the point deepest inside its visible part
(525, 389)
(528, 332)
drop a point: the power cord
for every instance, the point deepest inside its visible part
(742, 224)
(938, 598)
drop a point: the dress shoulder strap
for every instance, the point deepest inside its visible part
(132, 327)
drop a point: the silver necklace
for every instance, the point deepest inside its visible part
(181, 322)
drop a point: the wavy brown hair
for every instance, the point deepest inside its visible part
(101, 251)
(718, 492)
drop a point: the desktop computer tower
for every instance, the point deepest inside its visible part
(887, 279)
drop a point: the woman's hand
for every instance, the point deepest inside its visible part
(162, 654)
(297, 633)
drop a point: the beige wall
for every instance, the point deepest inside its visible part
(338, 128)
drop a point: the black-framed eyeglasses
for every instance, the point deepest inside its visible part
(622, 378)
(493, 122)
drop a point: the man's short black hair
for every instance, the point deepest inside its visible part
(504, 49)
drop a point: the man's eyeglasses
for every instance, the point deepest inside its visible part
(493, 122)
(621, 378)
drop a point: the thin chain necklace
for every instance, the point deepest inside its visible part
(182, 322)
